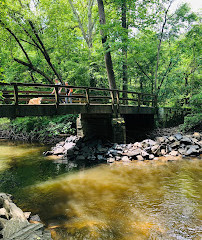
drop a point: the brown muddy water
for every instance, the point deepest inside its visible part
(160, 200)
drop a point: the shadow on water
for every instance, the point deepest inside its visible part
(22, 165)
(117, 202)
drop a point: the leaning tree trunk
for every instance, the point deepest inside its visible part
(108, 59)
(124, 50)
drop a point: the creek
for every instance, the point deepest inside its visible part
(155, 200)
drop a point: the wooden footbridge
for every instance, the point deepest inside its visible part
(14, 99)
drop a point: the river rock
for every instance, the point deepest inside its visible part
(151, 156)
(178, 136)
(175, 144)
(125, 159)
(173, 153)
(144, 154)
(139, 158)
(186, 140)
(110, 160)
(172, 139)
(197, 135)
(58, 150)
(193, 149)
(134, 152)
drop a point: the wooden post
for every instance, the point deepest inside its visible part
(112, 96)
(87, 96)
(56, 96)
(15, 94)
(117, 99)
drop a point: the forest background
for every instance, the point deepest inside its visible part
(152, 48)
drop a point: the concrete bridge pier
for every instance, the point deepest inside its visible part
(102, 125)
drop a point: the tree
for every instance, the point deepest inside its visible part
(108, 59)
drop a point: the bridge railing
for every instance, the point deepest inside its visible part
(21, 93)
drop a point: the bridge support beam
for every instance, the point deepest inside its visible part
(102, 125)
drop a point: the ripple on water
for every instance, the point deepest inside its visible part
(123, 202)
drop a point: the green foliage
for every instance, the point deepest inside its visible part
(192, 122)
(41, 127)
(77, 54)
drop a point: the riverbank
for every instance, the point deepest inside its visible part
(99, 151)
(16, 224)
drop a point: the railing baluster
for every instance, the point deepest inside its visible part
(87, 96)
(112, 96)
(15, 94)
(56, 96)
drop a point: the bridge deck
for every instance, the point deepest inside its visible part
(22, 110)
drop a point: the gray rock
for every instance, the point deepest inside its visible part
(155, 148)
(197, 135)
(58, 151)
(137, 145)
(173, 153)
(134, 152)
(161, 139)
(139, 158)
(100, 157)
(113, 152)
(144, 154)
(178, 136)
(193, 150)
(182, 151)
(175, 144)
(125, 159)
(163, 151)
(186, 140)
(172, 139)
(69, 145)
(35, 218)
(48, 153)
(148, 143)
(151, 156)
(118, 158)
(110, 160)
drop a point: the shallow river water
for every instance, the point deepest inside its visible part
(118, 202)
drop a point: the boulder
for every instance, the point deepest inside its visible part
(151, 156)
(175, 144)
(125, 159)
(192, 150)
(68, 145)
(139, 158)
(161, 139)
(173, 153)
(178, 136)
(110, 160)
(172, 139)
(58, 150)
(137, 145)
(134, 152)
(144, 154)
(197, 135)
(186, 140)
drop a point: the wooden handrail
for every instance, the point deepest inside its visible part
(114, 94)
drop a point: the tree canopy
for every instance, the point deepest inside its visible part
(151, 48)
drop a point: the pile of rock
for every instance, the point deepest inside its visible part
(75, 148)
(14, 224)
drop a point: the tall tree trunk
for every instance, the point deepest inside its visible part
(159, 46)
(108, 59)
(124, 49)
